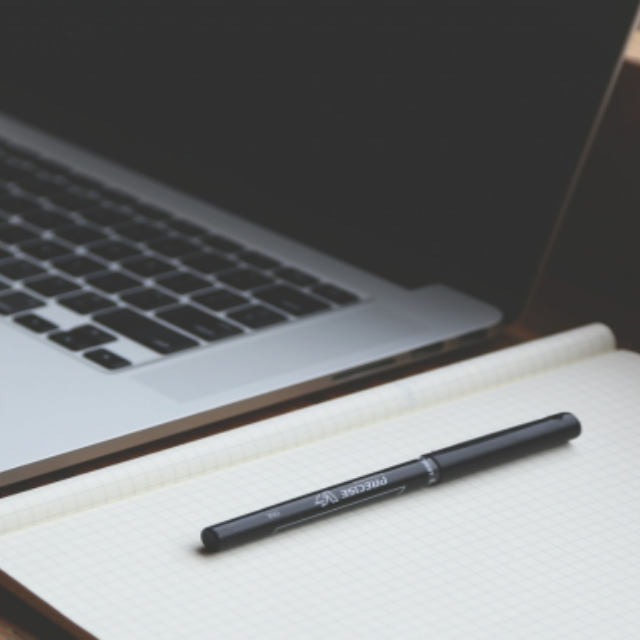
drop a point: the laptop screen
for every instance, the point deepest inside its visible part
(430, 141)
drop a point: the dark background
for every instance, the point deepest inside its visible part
(426, 141)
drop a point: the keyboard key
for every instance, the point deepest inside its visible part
(257, 316)
(295, 276)
(13, 204)
(71, 201)
(185, 228)
(183, 283)
(294, 302)
(13, 234)
(148, 333)
(149, 211)
(12, 174)
(4, 286)
(335, 294)
(208, 263)
(256, 259)
(44, 249)
(52, 286)
(221, 244)
(39, 186)
(172, 247)
(19, 269)
(245, 279)
(78, 266)
(138, 231)
(148, 299)
(105, 217)
(85, 303)
(78, 234)
(198, 323)
(220, 300)
(147, 267)
(46, 219)
(35, 323)
(16, 302)
(82, 337)
(83, 183)
(114, 251)
(113, 282)
(106, 359)
(117, 197)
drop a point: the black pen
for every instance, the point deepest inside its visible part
(426, 471)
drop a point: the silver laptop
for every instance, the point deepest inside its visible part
(212, 208)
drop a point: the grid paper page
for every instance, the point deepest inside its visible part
(541, 548)
(301, 427)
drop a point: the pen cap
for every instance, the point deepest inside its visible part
(506, 445)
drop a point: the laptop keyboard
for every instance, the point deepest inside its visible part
(119, 282)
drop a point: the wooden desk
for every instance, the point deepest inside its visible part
(557, 305)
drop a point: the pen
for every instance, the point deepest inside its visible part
(426, 471)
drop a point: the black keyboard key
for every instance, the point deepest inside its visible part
(114, 251)
(16, 302)
(39, 186)
(183, 283)
(294, 302)
(199, 323)
(78, 234)
(259, 260)
(221, 244)
(147, 267)
(13, 204)
(44, 249)
(149, 211)
(71, 201)
(148, 299)
(13, 234)
(19, 269)
(335, 294)
(52, 286)
(295, 276)
(148, 333)
(4, 286)
(105, 217)
(9, 173)
(138, 231)
(78, 266)
(106, 359)
(185, 228)
(113, 282)
(85, 303)
(172, 247)
(220, 300)
(82, 337)
(46, 219)
(35, 323)
(117, 197)
(83, 183)
(257, 317)
(4, 254)
(208, 263)
(245, 279)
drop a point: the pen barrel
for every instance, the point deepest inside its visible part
(503, 446)
(312, 507)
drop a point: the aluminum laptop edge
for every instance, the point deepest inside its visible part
(59, 409)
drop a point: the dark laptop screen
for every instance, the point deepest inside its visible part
(429, 141)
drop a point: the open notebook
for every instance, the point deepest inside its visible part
(544, 547)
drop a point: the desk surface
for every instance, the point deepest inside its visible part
(556, 306)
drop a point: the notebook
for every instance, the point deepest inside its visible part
(542, 547)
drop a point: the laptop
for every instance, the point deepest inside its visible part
(207, 208)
